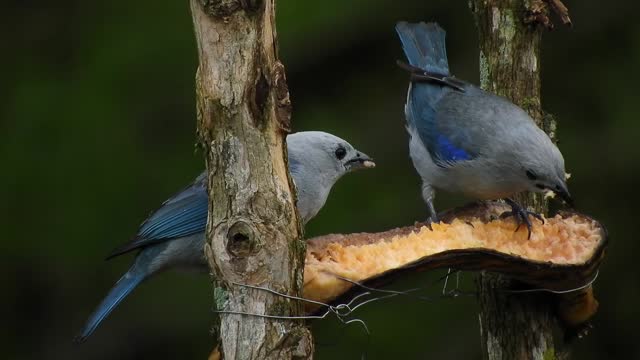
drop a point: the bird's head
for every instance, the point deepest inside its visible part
(316, 161)
(545, 173)
(327, 153)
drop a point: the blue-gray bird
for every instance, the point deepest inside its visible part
(173, 235)
(466, 140)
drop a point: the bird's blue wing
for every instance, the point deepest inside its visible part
(446, 142)
(424, 47)
(182, 215)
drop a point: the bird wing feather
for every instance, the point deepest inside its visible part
(460, 126)
(182, 215)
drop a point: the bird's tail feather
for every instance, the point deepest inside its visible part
(424, 46)
(120, 290)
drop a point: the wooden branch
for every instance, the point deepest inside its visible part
(514, 327)
(253, 234)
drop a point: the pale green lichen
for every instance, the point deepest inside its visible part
(549, 354)
(530, 104)
(279, 308)
(220, 297)
(484, 71)
(506, 33)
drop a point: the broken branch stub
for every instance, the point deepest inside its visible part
(563, 254)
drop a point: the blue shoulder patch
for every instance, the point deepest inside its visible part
(448, 152)
(446, 144)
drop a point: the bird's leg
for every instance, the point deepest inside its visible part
(446, 282)
(428, 195)
(521, 215)
(456, 291)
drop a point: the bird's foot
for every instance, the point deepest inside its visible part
(433, 219)
(521, 216)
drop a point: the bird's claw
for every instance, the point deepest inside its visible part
(432, 220)
(521, 216)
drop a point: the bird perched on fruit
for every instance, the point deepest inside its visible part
(466, 140)
(173, 236)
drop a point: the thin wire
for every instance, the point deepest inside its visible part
(446, 281)
(282, 317)
(372, 300)
(280, 294)
(396, 292)
(341, 310)
(344, 310)
(454, 293)
(558, 291)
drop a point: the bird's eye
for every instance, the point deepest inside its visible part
(540, 186)
(531, 175)
(341, 153)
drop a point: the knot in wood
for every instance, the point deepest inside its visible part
(257, 103)
(221, 8)
(225, 8)
(241, 239)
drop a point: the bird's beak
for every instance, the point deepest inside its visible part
(359, 161)
(563, 193)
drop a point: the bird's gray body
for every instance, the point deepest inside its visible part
(173, 236)
(184, 253)
(314, 173)
(506, 139)
(466, 140)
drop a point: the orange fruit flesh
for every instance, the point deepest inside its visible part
(562, 241)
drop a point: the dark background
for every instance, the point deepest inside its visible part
(97, 128)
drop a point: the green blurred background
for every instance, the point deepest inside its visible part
(97, 124)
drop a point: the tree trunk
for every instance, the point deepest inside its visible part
(513, 326)
(253, 234)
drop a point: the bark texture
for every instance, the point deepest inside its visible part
(253, 234)
(514, 326)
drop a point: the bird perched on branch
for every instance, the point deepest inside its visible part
(466, 140)
(173, 236)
